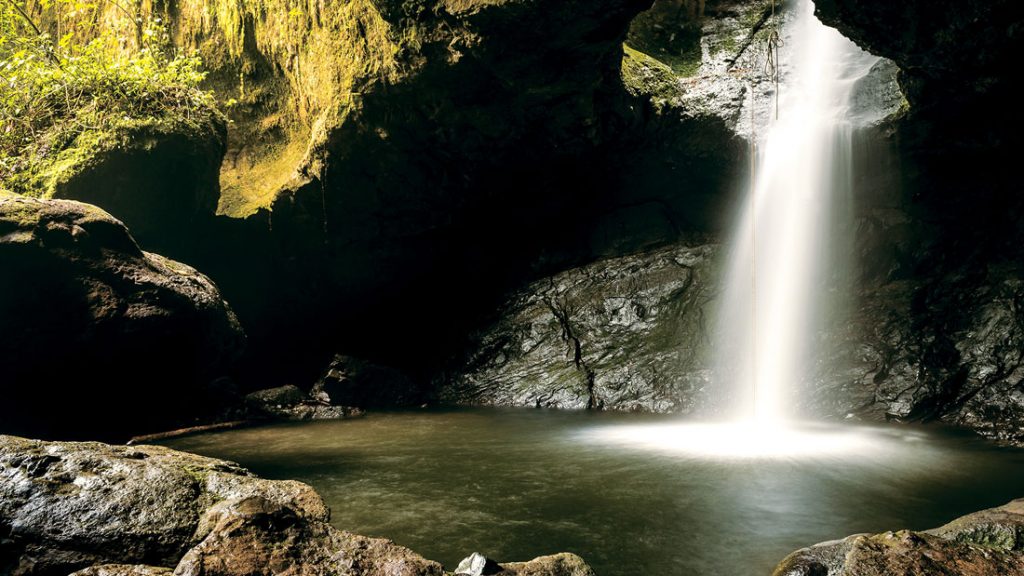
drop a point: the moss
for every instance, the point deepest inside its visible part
(23, 215)
(52, 165)
(670, 33)
(645, 76)
(281, 70)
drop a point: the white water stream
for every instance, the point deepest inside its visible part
(779, 262)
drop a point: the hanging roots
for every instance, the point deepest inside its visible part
(771, 61)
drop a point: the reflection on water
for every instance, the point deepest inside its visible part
(631, 494)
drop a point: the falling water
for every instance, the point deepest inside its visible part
(801, 182)
(782, 262)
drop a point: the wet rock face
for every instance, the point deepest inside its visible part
(101, 337)
(948, 348)
(941, 46)
(622, 334)
(356, 382)
(980, 544)
(66, 506)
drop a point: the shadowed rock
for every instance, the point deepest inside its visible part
(103, 338)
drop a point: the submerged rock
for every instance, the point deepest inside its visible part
(621, 334)
(101, 337)
(975, 545)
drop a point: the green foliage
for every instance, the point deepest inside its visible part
(54, 91)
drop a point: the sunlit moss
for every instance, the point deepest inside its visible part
(281, 71)
(645, 76)
(281, 68)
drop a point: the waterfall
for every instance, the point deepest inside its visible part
(775, 284)
(784, 264)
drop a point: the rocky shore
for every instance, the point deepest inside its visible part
(100, 510)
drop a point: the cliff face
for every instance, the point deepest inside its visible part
(496, 140)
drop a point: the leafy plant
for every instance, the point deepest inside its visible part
(54, 90)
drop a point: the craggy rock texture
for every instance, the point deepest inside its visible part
(622, 334)
(949, 347)
(98, 510)
(564, 564)
(123, 570)
(291, 403)
(947, 47)
(982, 544)
(352, 381)
(99, 336)
(257, 537)
(65, 506)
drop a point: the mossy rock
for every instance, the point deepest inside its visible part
(645, 76)
(157, 175)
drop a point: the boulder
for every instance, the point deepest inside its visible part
(564, 564)
(291, 403)
(101, 338)
(257, 537)
(982, 544)
(476, 564)
(66, 506)
(350, 381)
(625, 333)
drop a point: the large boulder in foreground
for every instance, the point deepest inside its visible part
(66, 505)
(985, 543)
(101, 338)
(257, 537)
(142, 511)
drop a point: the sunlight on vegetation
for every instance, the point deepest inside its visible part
(61, 93)
(286, 72)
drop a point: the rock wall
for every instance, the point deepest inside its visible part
(629, 333)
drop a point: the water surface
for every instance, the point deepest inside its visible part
(631, 494)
